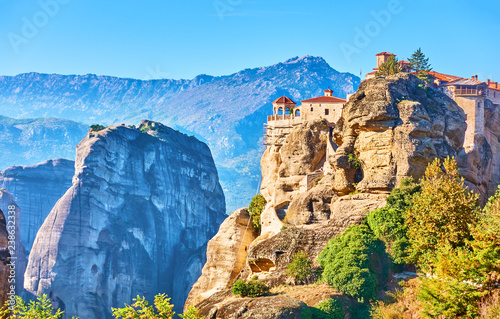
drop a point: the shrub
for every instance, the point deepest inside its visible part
(255, 208)
(353, 161)
(328, 309)
(442, 212)
(41, 308)
(300, 267)
(191, 313)
(141, 308)
(348, 261)
(97, 127)
(252, 288)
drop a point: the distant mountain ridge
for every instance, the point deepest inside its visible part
(225, 111)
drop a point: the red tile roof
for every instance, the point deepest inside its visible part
(284, 100)
(494, 86)
(384, 53)
(325, 99)
(328, 90)
(444, 77)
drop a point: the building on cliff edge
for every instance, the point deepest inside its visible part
(287, 115)
(469, 93)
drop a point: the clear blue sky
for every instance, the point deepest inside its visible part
(183, 38)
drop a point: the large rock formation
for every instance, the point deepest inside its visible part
(226, 255)
(143, 205)
(320, 180)
(36, 189)
(10, 208)
(4, 260)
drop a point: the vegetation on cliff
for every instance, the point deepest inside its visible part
(255, 208)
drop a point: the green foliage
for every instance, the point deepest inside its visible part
(255, 208)
(348, 262)
(421, 66)
(191, 313)
(252, 288)
(97, 127)
(441, 214)
(140, 308)
(300, 267)
(328, 309)
(353, 161)
(419, 62)
(388, 222)
(389, 67)
(41, 308)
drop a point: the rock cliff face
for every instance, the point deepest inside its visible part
(4, 260)
(10, 208)
(36, 189)
(226, 255)
(143, 205)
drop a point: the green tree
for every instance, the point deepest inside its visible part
(441, 214)
(97, 127)
(300, 267)
(41, 308)
(255, 208)
(349, 260)
(140, 309)
(420, 65)
(388, 222)
(389, 67)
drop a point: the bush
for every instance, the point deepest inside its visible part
(300, 267)
(255, 208)
(191, 313)
(349, 262)
(252, 288)
(97, 127)
(328, 309)
(41, 308)
(141, 308)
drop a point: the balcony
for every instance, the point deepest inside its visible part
(280, 117)
(470, 92)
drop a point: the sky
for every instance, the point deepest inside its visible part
(148, 39)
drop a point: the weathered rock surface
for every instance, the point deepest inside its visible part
(10, 208)
(36, 189)
(222, 306)
(4, 260)
(143, 205)
(226, 255)
(394, 127)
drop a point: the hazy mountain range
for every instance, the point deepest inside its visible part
(227, 112)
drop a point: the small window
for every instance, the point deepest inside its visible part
(327, 111)
(312, 109)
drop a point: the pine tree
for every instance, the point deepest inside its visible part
(421, 66)
(419, 62)
(389, 67)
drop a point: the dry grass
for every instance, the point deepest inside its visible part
(310, 294)
(400, 304)
(489, 308)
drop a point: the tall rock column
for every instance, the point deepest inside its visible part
(143, 205)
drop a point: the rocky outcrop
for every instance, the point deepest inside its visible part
(11, 209)
(36, 189)
(393, 127)
(143, 205)
(226, 255)
(4, 260)
(222, 306)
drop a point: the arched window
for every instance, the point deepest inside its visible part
(287, 110)
(297, 113)
(280, 111)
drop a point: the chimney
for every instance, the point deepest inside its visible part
(488, 82)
